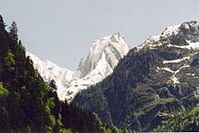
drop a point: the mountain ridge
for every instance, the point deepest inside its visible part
(104, 54)
(151, 83)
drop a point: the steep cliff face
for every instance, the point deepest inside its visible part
(153, 81)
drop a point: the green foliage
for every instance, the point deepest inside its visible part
(103, 128)
(181, 122)
(153, 104)
(48, 129)
(10, 59)
(115, 129)
(66, 131)
(3, 91)
(97, 119)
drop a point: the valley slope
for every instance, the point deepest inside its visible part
(154, 81)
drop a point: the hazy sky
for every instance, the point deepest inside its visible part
(62, 30)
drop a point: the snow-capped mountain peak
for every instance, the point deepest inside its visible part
(104, 54)
(112, 48)
(187, 31)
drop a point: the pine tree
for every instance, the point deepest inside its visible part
(13, 31)
(52, 84)
(10, 59)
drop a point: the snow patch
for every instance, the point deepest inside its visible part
(176, 61)
(192, 45)
(175, 80)
(167, 69)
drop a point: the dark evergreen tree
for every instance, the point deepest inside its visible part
(52, 84)
(2, 24)
(13, 31)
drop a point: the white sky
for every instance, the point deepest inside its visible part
(62, 30)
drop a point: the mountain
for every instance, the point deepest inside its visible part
(153, 88)
(27, 103)
(151, 83)
(104, 55)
